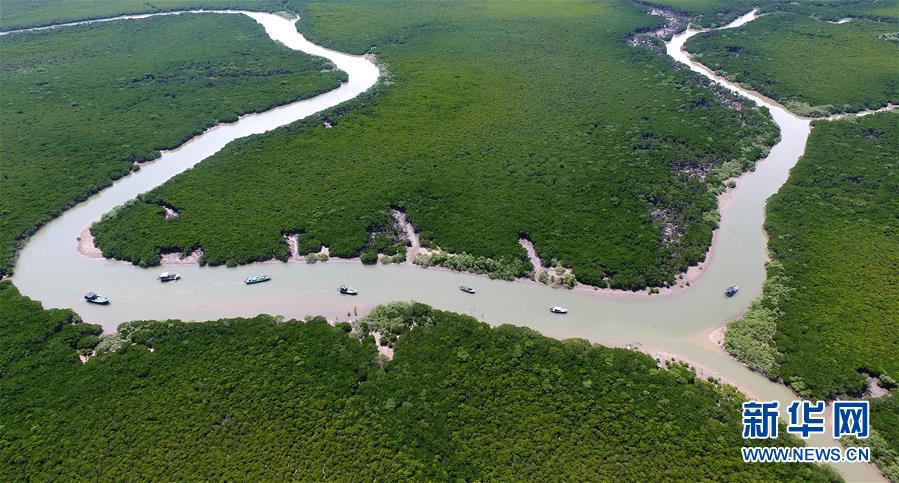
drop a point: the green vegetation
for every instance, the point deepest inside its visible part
(261, 399)
(834, 10)
(883, 454)
(751, 338)
(32, 13)
(883, 412)
(716, 13)
(834, 237)
(811, 66)
(885, 421)
(80, 105)
(708, 13)
(483, 133)
(884, 437)
(502, 268)
(833, 226)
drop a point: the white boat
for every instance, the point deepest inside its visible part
(347, 290)
(169, 277)
(558, 310)
(257, 279)
(95, 298)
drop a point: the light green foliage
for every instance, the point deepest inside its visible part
(543, 277)
(751, 338)
(80, 105)
(811, 66)
(885, 443)
(395, 318)
(316, 257)
(887, 382)
(883, 454)
(257, 399)
(502, 268)
(485, 133)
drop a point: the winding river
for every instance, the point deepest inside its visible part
(51, 270)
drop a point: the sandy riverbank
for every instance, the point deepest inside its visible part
(87, 248)
(86, 245)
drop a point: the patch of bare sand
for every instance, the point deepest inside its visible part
(701, 372)
(86, 245)
(411, 235)
(175, 258)
(874, 390)
(383, 350)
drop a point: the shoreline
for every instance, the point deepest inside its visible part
(85, 247)
(702, 372)
(683, 280)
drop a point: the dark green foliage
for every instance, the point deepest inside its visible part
(510, 404)
(32, 13)
(834, 229)
(483, 133)
(388, 240)
(254, 399)
(834, 10)
(31, 335)
(716, 13)
(222, 400)
(811, 66)
(709, 13)
(80, 105)
(369, 258)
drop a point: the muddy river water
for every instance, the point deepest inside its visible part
(50, 268)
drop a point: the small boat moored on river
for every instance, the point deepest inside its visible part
(257, 279)
(466, 289)
(731, 291)
(345, 290)
(169, 277)
(558, 310)
(95, 298)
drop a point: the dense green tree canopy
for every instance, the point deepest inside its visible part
(834, 228)
(835, 237)
(261, 399)
(810, 65)
(604, 155)
(80, 105)
(716, 13)
(30, 13)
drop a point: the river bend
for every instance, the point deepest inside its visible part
(51, 270)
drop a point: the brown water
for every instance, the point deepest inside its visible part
(51, 270)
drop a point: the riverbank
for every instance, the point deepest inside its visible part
(296, 290)
(86, 247)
